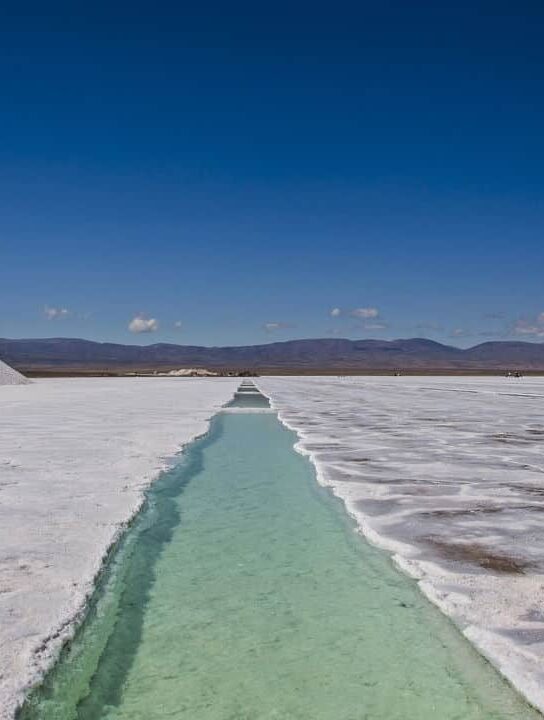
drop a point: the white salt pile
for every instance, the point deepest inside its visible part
(9, 376)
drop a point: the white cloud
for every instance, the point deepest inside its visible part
(273, 326)
(375, 326)
(55, 313)
(335, 312)
(460, 332)
(365, 313)
(523, 328)
(178, 324)
(533, 327)
(141, 324)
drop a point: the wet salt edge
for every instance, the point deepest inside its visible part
(76, 457)
(481, 605)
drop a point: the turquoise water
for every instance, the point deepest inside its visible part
(245, 398)
(243, 593)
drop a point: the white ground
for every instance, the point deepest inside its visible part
(75, 458)
(9, 376)
(447, 474)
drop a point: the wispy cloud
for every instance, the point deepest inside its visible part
(270, 327)
(494, 316)
(429, 327)
(364, 313)
(493, 333)
(459, 332)
(55, 313)
(178, 325)
(533, 327)
(142, 324)
(361, 313)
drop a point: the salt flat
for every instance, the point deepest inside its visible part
(75, 458)
(447, 474)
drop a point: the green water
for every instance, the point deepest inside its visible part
(248, 399)
(243, 593)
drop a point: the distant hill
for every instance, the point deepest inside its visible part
(320, 355)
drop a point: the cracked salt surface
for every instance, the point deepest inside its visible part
(75, 458)
(447, 474)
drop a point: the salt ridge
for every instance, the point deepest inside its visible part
(76, 456)
(446, 475)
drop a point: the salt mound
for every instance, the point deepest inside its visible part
(9, 376)
(191, 372)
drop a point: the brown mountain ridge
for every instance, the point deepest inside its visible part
(293, 356)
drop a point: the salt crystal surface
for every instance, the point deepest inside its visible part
(75, 458)
(447, 474)
(9, 376)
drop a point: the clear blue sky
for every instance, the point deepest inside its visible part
(242, 169)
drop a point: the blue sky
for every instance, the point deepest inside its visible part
(232, 174)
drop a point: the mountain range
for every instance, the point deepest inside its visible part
(65, 355)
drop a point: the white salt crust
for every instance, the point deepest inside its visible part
(76, 456)
(447, 475)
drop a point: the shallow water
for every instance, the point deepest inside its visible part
(447, 475)
(247, 398)
(242, 592)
